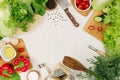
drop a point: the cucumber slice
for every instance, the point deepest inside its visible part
(106, 10)
(98, 19)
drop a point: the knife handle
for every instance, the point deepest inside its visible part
(71, 17)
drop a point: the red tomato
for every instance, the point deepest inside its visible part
(80, 1)
(87, 5)
(83, 3)
(91, 27)
(81, 7)
(77, 2)
(85, 0)
(21, 49)
(99, 29)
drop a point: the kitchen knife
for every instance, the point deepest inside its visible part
(64, 5)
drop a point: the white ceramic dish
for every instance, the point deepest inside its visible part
(4, 53)
(81, 9)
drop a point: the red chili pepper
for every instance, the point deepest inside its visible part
(22, 64)
(21, 49)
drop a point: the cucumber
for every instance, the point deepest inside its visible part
(106, 10)
(99, 18)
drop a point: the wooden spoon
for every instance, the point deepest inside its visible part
(74, 64)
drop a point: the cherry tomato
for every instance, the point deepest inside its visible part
(77, 2)
(85, 0)
(81, 7)
(91, 27)
(87, 5)
(83, 3)
(21, 49)
(99, 29)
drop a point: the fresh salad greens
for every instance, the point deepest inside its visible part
(100, 4)
(104, 68)
(108, 67)
(18, 13)
(15, 76)
(112, 33)
(111, 16)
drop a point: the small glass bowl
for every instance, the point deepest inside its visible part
(3, 53)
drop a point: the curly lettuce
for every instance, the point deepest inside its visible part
(112, 33)
(18, 13)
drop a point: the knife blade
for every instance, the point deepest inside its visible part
(64, 5)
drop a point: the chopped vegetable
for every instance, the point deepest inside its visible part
(22, 64)
(99, 29)
(99, 18)
(21, 49)
(18, 13)
(100, 4)
(91, 27)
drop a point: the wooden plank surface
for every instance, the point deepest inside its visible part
(92, 22)
(83, 13)
(21, 44)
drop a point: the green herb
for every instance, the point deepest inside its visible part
(15, 76)
(18, 13)
(105, 68)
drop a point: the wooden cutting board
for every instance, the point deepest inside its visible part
(21, 44)
(85, 13)
(92, 22)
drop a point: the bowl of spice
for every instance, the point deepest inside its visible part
(51, 4)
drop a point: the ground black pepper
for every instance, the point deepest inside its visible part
(51, 4)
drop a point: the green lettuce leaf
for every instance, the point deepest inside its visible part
(100, 4)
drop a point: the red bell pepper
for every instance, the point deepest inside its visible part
(21, 64)
(6, 70)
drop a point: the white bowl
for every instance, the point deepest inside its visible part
(7, 52)
(81, 9)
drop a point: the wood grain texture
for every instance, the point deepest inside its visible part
(83, 13)
(92, 22)
(74, 64)
(21, 44)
